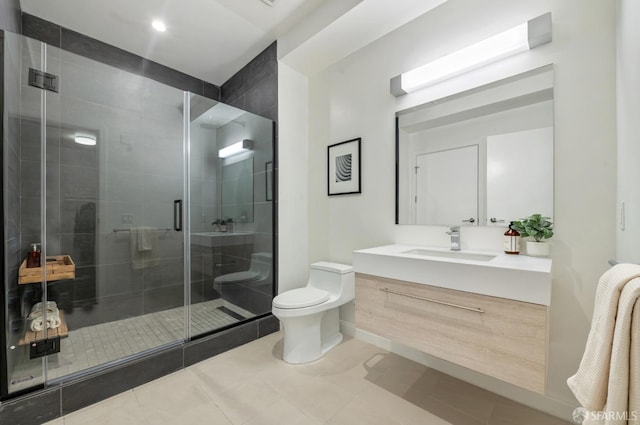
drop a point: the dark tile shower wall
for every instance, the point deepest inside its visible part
(255, 87)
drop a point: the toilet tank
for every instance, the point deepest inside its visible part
(331, 277)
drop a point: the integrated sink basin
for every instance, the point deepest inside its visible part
(515, 277)
(217, 239)
(462, 255)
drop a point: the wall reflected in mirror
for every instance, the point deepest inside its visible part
(481, 157)
(237, 188)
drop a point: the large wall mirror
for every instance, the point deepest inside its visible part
(481, 157)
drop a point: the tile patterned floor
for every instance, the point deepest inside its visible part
(99, 344)
(354, 384)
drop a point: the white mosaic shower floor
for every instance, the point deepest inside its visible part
(99, 344)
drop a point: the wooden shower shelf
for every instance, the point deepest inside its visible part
(61, 331)
(58, 267)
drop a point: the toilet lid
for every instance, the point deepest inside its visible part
(301, 297)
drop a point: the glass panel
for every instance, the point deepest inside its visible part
(110, 206)
(22, 210)
(231, 216)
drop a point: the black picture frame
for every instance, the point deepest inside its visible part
(343, 168)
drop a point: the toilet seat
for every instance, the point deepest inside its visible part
(301, 297)
(244, 276)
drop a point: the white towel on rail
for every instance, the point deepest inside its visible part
(147, 238)
(143, 247)
(590, 384)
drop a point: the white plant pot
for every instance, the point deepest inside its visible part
(537, 249)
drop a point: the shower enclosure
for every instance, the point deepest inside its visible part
(148, 237)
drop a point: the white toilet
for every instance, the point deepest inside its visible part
(259, 270)
(309, 315)
(252, 289)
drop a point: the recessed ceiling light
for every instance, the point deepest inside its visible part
(85, 140)
(159, 26)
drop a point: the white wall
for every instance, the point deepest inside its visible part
(628, 110)
(351, 99)
(293, 198)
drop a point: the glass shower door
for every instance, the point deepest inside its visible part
(231, 226)
(24, 157)
(121, 171)
(93, 174)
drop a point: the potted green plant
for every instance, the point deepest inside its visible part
(539, 228)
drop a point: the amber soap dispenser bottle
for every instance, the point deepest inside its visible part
(511, 241)
(33, 259)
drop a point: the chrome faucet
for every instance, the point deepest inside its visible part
(455, 238)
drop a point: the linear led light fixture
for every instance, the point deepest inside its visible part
(239, 147)
(85, 140)
(526, 36)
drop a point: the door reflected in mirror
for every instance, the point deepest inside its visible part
(482, 157)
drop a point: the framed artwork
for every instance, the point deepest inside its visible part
(343, 163)
(268, 168)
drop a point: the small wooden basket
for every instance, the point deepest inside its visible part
(58, 267)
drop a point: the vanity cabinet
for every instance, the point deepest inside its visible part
(499, 337)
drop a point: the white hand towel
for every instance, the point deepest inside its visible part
(36, 316)
(37, 324)
(36, 310)
(147, 238)
(143, 247)
(590, 383)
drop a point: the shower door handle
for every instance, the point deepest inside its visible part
(177, 215)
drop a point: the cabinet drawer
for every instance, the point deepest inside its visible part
(502, 338)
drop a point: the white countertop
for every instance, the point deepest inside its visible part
(216, 239)
(517, 277)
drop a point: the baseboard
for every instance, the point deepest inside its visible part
(554, 407)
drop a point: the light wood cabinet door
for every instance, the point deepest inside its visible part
(501, 338)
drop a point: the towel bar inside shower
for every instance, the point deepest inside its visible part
(116, 230)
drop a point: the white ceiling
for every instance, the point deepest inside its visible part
(213, 39)
(209, 39)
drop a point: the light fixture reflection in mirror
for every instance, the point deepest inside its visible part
(481, 157)
(235, 149)
(85, 140)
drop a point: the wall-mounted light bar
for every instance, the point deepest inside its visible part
(524, 37)
(242, 146)
(85, 140)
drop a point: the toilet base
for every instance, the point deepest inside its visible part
(307, 338)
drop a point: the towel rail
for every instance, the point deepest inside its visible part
(431, 300)
(116, 230)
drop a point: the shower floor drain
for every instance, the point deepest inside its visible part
(23, 379)
(231, 313)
